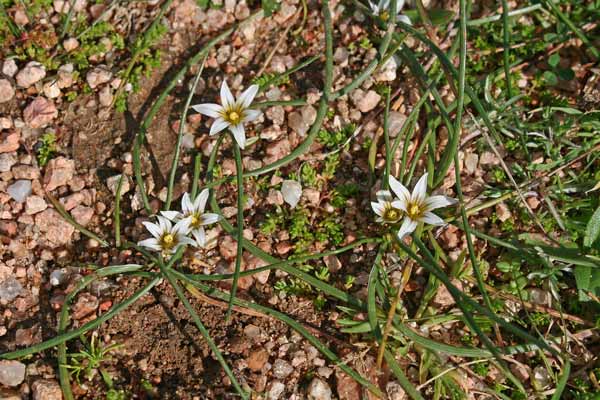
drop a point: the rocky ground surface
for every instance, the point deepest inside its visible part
(161, 354)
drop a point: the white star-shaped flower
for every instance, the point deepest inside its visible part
(386, 213)
(231, 113)
(417, 206)
(383, 6)
(166, 237)
(194, 213)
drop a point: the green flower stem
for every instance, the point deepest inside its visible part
(197, 168)
(498, 17)
(239, 169)
(117, 213)
(175, 162)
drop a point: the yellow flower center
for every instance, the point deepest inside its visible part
(168, 241)
(234, 117)
(233, 114)
(391, 214)
(414, 211)
(196, 220)
(384, 15)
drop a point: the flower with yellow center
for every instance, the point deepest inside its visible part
(382, 10)
(231, 113)
(194, 212)
(166, 237)
(417, 206)
(386, 213)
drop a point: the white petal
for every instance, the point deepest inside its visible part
(399, 5)
(186, 204)
(248, 96)
(200, 236)
(433, 202)
(183, 240)
(210, 218)
(399, 189)
(226, 96)
(432, 219)
(218, 125)
(291, 191)
(172, 215)
(384, 195)
(377, 208)
(250, 115)
(419, 192)
(154, 229)
(408, 226)
(399, 204)
(182, 227)
(200, 202)
(404, 19)
(210, 109)
(165, 224)
(239, 134)
(150, 243)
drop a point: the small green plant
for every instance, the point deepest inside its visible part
(46, 149)
(89, 360)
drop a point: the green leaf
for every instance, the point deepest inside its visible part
(566, 74)
(550, 78)
(587, 280)
(592, 231)
(553, 60)
(437, 16)
(269, 6)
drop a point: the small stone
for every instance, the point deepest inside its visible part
(105, 97)
(503, 212)
(318, 390)
(19, 190)
(282, 369)
(395, 391)
(32, 73)
(113, 184)
(541, 376)
(70, 44)
(471, 161)
(59, 172)
(366, 102)
(10, 142)
(40, 112)
(540, 296)
(65, 76)
(6, 90)
(98, 76)
(12, 373)
(257, 360)
(58, 277)
(83, 215)
(57, 231)
(340, 56)
(275, 390)
(388, 71)
(26, 172)
(10, 289)
(291, 191)
(275, 197)
(396, 121)
(347, 388)
(9, 68)
(45, 389)
(7, 160)
(51, 90)
(34, 205)
(85, 305)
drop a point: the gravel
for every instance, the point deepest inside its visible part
(10, 289)
(7, 91)
(20, 190)
(12, 373)
(318, 390)
(31, 74)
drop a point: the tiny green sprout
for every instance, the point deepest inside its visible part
(89, 360)
(47, 148)
(349, 281)
(319, 302)
(323, 274)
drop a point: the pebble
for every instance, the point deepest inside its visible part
(395, 391)
(59, 172)
(365, 102)
(257, 360)
(396, 121)
(282, 369)
(387, 72)
(10, 142)
(503, 212)
(9, 68)
(20, 190)
(113, 184)
(12, 373)
(40, 112)
(291, 191)
(275, 390)
(70, 44)
(56, 230)
(98, 76)
(45, 389)
(51, 90)
(35, 204)
(471, 161)
(58, 276)
(82, 215)
(33, 72)
(7, 160)
(7, 91)
(105, 97)
(85, 305)
(10, 289)
(319, 390)
(65, 76)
